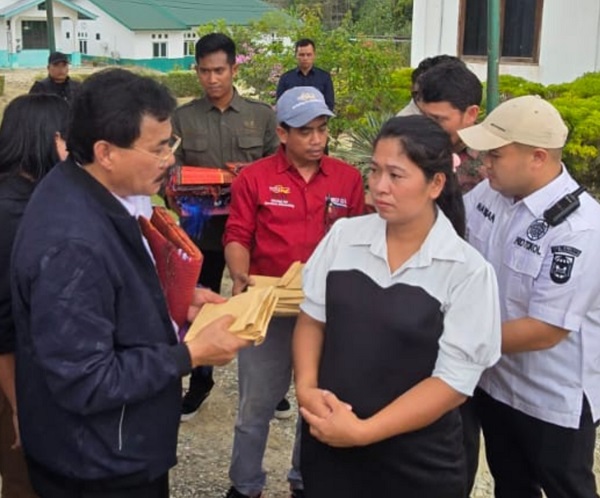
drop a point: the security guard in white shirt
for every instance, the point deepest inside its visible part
(540, 403)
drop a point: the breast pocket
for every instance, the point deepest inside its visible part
(251, 147)
(521, 268)
(195, 143)
(194, 150)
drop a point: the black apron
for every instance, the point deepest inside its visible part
(379, 343)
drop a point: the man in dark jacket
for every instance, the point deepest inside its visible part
(58, 81)
(98, 359)
(307, 74)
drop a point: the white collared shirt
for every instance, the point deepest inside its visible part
(445, 267)
(549, 274)
(138, 205)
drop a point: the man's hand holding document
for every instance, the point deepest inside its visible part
(252, 310)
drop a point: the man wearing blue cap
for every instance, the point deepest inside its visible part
(58, 81)
(281, 208)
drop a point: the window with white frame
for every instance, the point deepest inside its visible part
(159, 50)
(189, 47)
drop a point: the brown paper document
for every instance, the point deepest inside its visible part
(288, 289)
(252, 310)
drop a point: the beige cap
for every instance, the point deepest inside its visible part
(528, 120)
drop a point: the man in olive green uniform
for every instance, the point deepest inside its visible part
(218, 128)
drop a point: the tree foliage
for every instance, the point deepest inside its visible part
(372, 17)
(361, 68)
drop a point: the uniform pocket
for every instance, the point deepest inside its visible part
(522, 267)
(248, 142)
(196, 143)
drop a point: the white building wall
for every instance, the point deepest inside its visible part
(16, 36)
(144, 41)
(4, 36)
(116, 41)
(569, 40)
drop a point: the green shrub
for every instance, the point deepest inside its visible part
(514, 86)
(579, 105)
(182, 83)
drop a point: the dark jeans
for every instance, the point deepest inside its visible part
(527, 455)
(48, 484)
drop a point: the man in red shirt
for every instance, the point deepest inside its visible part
(281, 208)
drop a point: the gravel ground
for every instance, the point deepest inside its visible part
(205, 441)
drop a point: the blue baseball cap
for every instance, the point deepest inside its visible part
(298, 106)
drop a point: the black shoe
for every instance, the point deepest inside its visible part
(234, 493)
(283, 410)
(297, 493)
(200, 387)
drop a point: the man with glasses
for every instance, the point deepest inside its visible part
(99, 364)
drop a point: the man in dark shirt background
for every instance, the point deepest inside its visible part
(306, 74)
(58, 81)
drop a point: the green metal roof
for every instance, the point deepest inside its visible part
(139, 15)
(22, 5)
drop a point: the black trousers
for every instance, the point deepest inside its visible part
(527, 455)
(48, 484)
(212, 270)
(211, 276)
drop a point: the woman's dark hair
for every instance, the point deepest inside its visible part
(28, 132)
(428, 146)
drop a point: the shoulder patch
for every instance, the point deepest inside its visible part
(563, 260)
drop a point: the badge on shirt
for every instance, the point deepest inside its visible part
(280, 196)
(562, 263)
(280, 189)
(537, 229)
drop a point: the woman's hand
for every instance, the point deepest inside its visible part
(340, 427)
(311, 398)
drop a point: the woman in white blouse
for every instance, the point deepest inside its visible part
(400, 319)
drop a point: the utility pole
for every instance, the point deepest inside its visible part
(493, 30)
(50, 22)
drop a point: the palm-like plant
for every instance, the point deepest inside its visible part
(356, 145)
